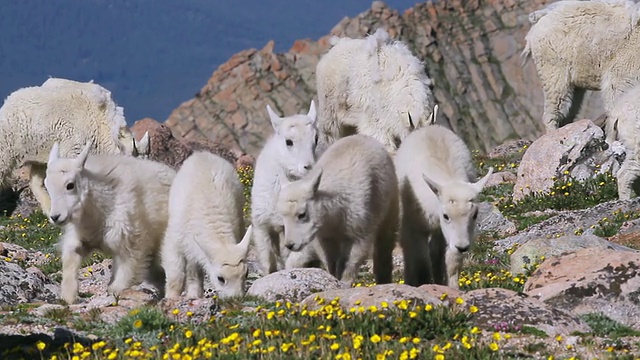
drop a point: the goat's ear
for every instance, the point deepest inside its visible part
(82, 158)
(276, 120)
(144, 146)
(246, 240)
(434, 186)
(479, 185)
(312, 114)
(54, 153)
(315, 181)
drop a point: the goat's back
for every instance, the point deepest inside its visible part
(139, 186)
(361, 171)
(206, 197)
(436, 151)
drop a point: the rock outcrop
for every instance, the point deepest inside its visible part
(591, 280)
(577, 149)
(294, 284)
(470, 48)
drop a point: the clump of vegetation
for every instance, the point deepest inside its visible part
(35, 233)
(325, 329)
(567, 193)
(601, 325)
(609, 226)
(487, 268)
(509, 162)
(245, 173)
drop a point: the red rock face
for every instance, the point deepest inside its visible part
(470, 48)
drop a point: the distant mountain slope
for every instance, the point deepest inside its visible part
(152, 54)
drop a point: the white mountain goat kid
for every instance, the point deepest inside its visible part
(205, 226)
(373, 86)
(112, 203)
(288, 155)
(346, 205)
(439, 209)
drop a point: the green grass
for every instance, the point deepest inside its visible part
(566, 194)
(33, 232)
(245, 174)
(609, 226)
(603, 326)
(36, 233)
(509, 162)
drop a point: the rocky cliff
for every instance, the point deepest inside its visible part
(470, 48)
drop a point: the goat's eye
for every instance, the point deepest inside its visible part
(446, 217)
(71, 186)
(221, 280)
(302, 216)
(289, 142)
(316, 139)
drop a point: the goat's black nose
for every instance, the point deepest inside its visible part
(289, 246)
(55, 218)
(462, 249)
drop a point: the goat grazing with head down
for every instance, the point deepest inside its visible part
(205, 229)
(344, 208)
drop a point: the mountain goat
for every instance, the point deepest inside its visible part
(346, 205)
(115, 204)
(63, 111)
(583, 45)
(623, 123)
(128, 144)
(438, 196)
(373, 86)
(288, 155)
(205, 225)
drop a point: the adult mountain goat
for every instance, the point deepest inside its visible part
(115, 204)
(344, 208)
(205, 227)
(374, 86)
(438, 196)
(623, 123)
(63, 111)
(583, 45)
